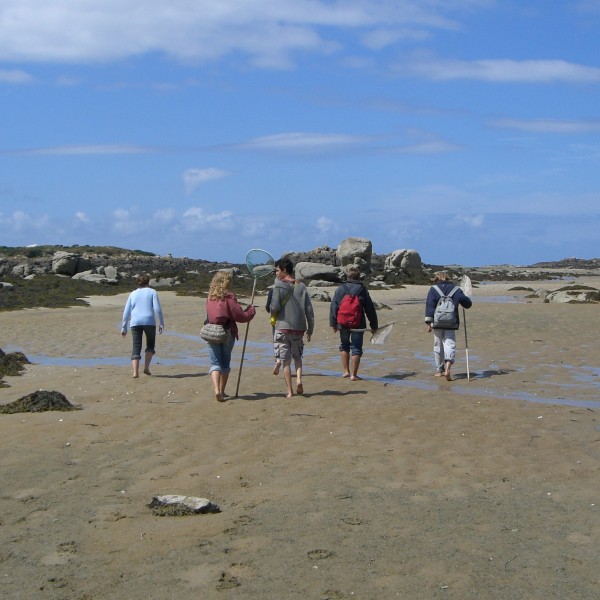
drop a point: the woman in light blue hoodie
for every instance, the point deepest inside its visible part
(141, 309)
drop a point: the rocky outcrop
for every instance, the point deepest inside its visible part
(405, 260)
(69, 263)
(356, 251)
(573, 295)
(310, 270)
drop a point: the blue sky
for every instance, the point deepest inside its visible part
(468, 130)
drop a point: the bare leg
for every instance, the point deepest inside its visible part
(355, 365)
(224, 378)
(147, 361)
(135, 367)
(447, 374)
(299, 386)
(287, 375)
(216, 381)
(345, 363)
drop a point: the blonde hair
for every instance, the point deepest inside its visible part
(220, 285)
(441, 276)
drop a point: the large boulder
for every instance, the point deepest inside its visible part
(21, 270)
(406, 260)
(356, 251)
(310, 270)
(573, 295)
(69, 263)
(323, 255)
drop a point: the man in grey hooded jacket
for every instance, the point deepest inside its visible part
(293, 311)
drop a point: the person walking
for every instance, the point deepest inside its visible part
(291, 307)
(140, 313)
(350, 308)
(223, 308)
(444, 323)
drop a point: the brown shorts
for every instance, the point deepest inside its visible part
(288, 346)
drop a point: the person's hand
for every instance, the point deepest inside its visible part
(334, 329)
(160, 329)
(428, 327)
(308, 338)
(124, 333)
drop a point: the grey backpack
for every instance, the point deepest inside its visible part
(444, 316)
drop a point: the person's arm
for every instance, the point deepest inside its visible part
(269, 298)
(335, 307)
(126, 316)
(430, 308)
(237, 313)
(158, 310)
(464, 300)
(370, 310)
(310, 316)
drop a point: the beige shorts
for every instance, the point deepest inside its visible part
(288, 346)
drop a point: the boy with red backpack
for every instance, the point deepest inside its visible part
(350, 308)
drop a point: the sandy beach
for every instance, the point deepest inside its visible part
(401, 485)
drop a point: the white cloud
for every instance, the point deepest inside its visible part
(196, 219)
(82, 217)
(471, 220)
(165, 216)
(380, 38)
(501, 70)
(324, 225)
(92, 150)
(268, 32)
(548, 125)
(14, 76)
(21, 221)
(297, 142)
(192, 178)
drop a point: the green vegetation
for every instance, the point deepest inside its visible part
(52, 291)
(49, 250)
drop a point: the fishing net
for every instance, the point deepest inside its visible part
(382, 334)
(260, 263)
(465, 285)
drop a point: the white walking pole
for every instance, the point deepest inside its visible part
(467, 288)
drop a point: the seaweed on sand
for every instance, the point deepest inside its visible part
(38, 401)
(11, 364)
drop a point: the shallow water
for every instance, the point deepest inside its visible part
(258, 355)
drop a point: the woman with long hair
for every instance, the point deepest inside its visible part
(223, 308)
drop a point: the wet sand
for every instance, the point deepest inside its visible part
(401, 485)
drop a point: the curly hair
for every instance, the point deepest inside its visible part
(220, 285)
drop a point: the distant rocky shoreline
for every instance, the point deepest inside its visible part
(108, 270)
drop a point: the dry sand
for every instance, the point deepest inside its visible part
(398, 486)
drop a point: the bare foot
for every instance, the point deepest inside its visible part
(276, 368)
(439, 374)
(219, 397)
(346, 375)
(289, 395)
(135, 376)
(300, 389)
(355, 378)
(448, 376)
(147, 372)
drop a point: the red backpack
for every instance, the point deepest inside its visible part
(350, 312)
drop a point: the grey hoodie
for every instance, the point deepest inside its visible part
(296, 312)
